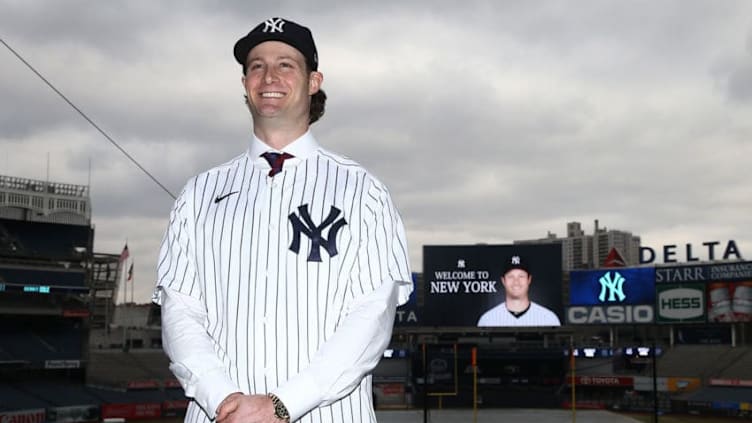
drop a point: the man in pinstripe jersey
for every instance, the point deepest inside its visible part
(279, 275)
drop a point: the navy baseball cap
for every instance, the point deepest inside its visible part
(515, 261)
(278, 29)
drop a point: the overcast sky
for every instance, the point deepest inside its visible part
(490, 121)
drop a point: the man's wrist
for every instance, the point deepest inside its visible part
(280, 411)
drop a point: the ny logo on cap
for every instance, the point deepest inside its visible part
(515, 259)
(274, 25)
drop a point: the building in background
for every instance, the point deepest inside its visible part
(581, 251)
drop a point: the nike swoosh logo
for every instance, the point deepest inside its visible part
(222, 197)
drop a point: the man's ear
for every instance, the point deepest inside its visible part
(315, 79)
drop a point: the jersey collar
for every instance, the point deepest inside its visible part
(301, 148)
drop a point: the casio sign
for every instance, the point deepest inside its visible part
(610, 314)
(681, 303)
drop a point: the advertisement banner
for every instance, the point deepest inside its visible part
(174, 408)
(23, 416)
(730, 382)
(729, 302)
(606, 381)
(683, 384)
(148, 410)
(463, 285)
(442, 369)
(614, 314)
(172, 383)
(629, 285)
(176, 404)
(611, 296)
(80, 413)
(675, 274)
(645, 384)
(143, 384)
(389, 394)
(666, 384)
(731, 272)
(680, 303)
(62, 364)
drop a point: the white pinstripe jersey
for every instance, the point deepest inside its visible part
(269, 307)
(536, 315)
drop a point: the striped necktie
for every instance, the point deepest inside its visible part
(275, 161)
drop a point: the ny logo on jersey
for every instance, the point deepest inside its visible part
(274, 25)
(615, 287)
(309, 229)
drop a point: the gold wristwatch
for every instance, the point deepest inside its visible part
(280, 411)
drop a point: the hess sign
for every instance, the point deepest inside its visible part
(681, 303)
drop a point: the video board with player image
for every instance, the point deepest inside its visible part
(463, 285)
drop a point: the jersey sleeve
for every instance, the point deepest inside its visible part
(383, 254)
(176, 266)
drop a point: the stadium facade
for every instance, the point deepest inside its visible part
(674, 338)
(55, 291)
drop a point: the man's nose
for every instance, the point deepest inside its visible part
(269, 76)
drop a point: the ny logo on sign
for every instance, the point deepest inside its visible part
(309, 229)
(274, 25)
(615, 287)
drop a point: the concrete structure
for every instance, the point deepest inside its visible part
(581, 251)
(32, 200)
(44, 201)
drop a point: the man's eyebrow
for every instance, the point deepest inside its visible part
(281, 57)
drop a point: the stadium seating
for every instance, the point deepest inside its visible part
(14, 399)
(116, 368)
(692, 360)
(39, 240)
(37, 339)
(594, 366)
(740, 366)
(720, 393)
(75, 394)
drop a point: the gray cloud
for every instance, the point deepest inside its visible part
(739, 80)
(489, 121)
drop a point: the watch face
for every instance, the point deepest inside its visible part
(280, 411)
